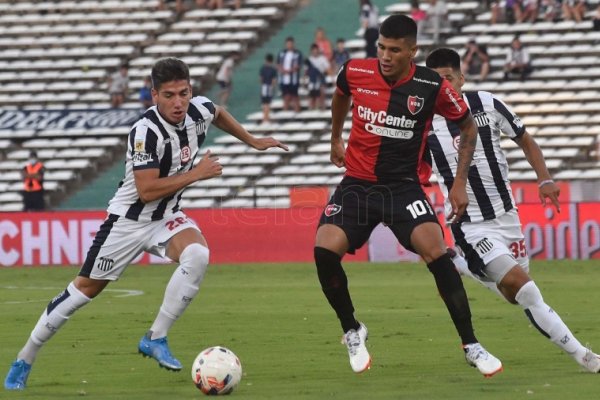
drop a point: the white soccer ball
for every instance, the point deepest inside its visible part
(216, 370)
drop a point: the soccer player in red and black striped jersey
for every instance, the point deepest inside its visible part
(393, 103)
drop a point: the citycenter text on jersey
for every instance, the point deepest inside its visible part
(381, 117)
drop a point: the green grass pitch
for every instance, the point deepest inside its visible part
(275, 318)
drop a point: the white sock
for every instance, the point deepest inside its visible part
(54, 316)
(547, 321)
(463, 268)
(182, 288)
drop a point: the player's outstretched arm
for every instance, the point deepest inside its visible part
(458, 194)
(225, 121)
(151, 187)
(548, 190)
(340, 105)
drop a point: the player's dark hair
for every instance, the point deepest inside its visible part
(443, 58)
(168, 70)
(398, 26)
(269, 57)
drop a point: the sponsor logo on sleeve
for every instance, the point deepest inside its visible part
(141, 158)
(517, 121)
(453, 100)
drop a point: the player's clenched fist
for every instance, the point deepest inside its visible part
(208, 167)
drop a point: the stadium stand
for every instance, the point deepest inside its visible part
(55, 58)
(559, 102)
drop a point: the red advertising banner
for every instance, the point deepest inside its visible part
(278, 235)
(233, 235)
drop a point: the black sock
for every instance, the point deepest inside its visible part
(453, 293)
(335, 286)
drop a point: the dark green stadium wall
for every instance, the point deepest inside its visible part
(339, 18)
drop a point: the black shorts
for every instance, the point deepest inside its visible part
(33, 200)
(266, 99)
(358, 206)
(291, 90)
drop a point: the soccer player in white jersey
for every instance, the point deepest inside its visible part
(144, 214)
(489, 233)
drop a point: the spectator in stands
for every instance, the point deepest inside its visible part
(476, 60)
(224, 77)
(550, 9)
(597, 19)
(146, 93)
(145, 216)
(317, 67)
(369, 22)
(512, 11)
(340, 55)
(33, 184)
(268, 80)
(179, 6)
(216, 4)
(517, 61)
(574, 10)
(419, 16)
(323, 42)
(437, 18)
(118, 86)
(289, 65)
(529, 10)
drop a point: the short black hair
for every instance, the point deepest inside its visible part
(269, 57)
(443, 58)
(168, 70)
(398, 26)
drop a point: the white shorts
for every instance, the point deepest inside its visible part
(119, 240)
(482, 242)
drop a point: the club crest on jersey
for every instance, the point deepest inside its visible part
(186, 154)
(332, 209)
(415, 104)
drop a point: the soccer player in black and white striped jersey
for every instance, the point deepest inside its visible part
(489, 232)
(144, 214)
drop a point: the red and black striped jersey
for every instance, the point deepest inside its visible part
(390, 122)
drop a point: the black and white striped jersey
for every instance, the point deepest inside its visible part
(488, 186)
(155, 143)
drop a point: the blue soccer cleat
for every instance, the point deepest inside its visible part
(17, 375)
(159, 350)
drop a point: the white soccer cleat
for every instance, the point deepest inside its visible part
(479, 357)
(591, 361)
(360, 360)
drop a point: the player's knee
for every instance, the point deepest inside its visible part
(195, 258)
(529, 295)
